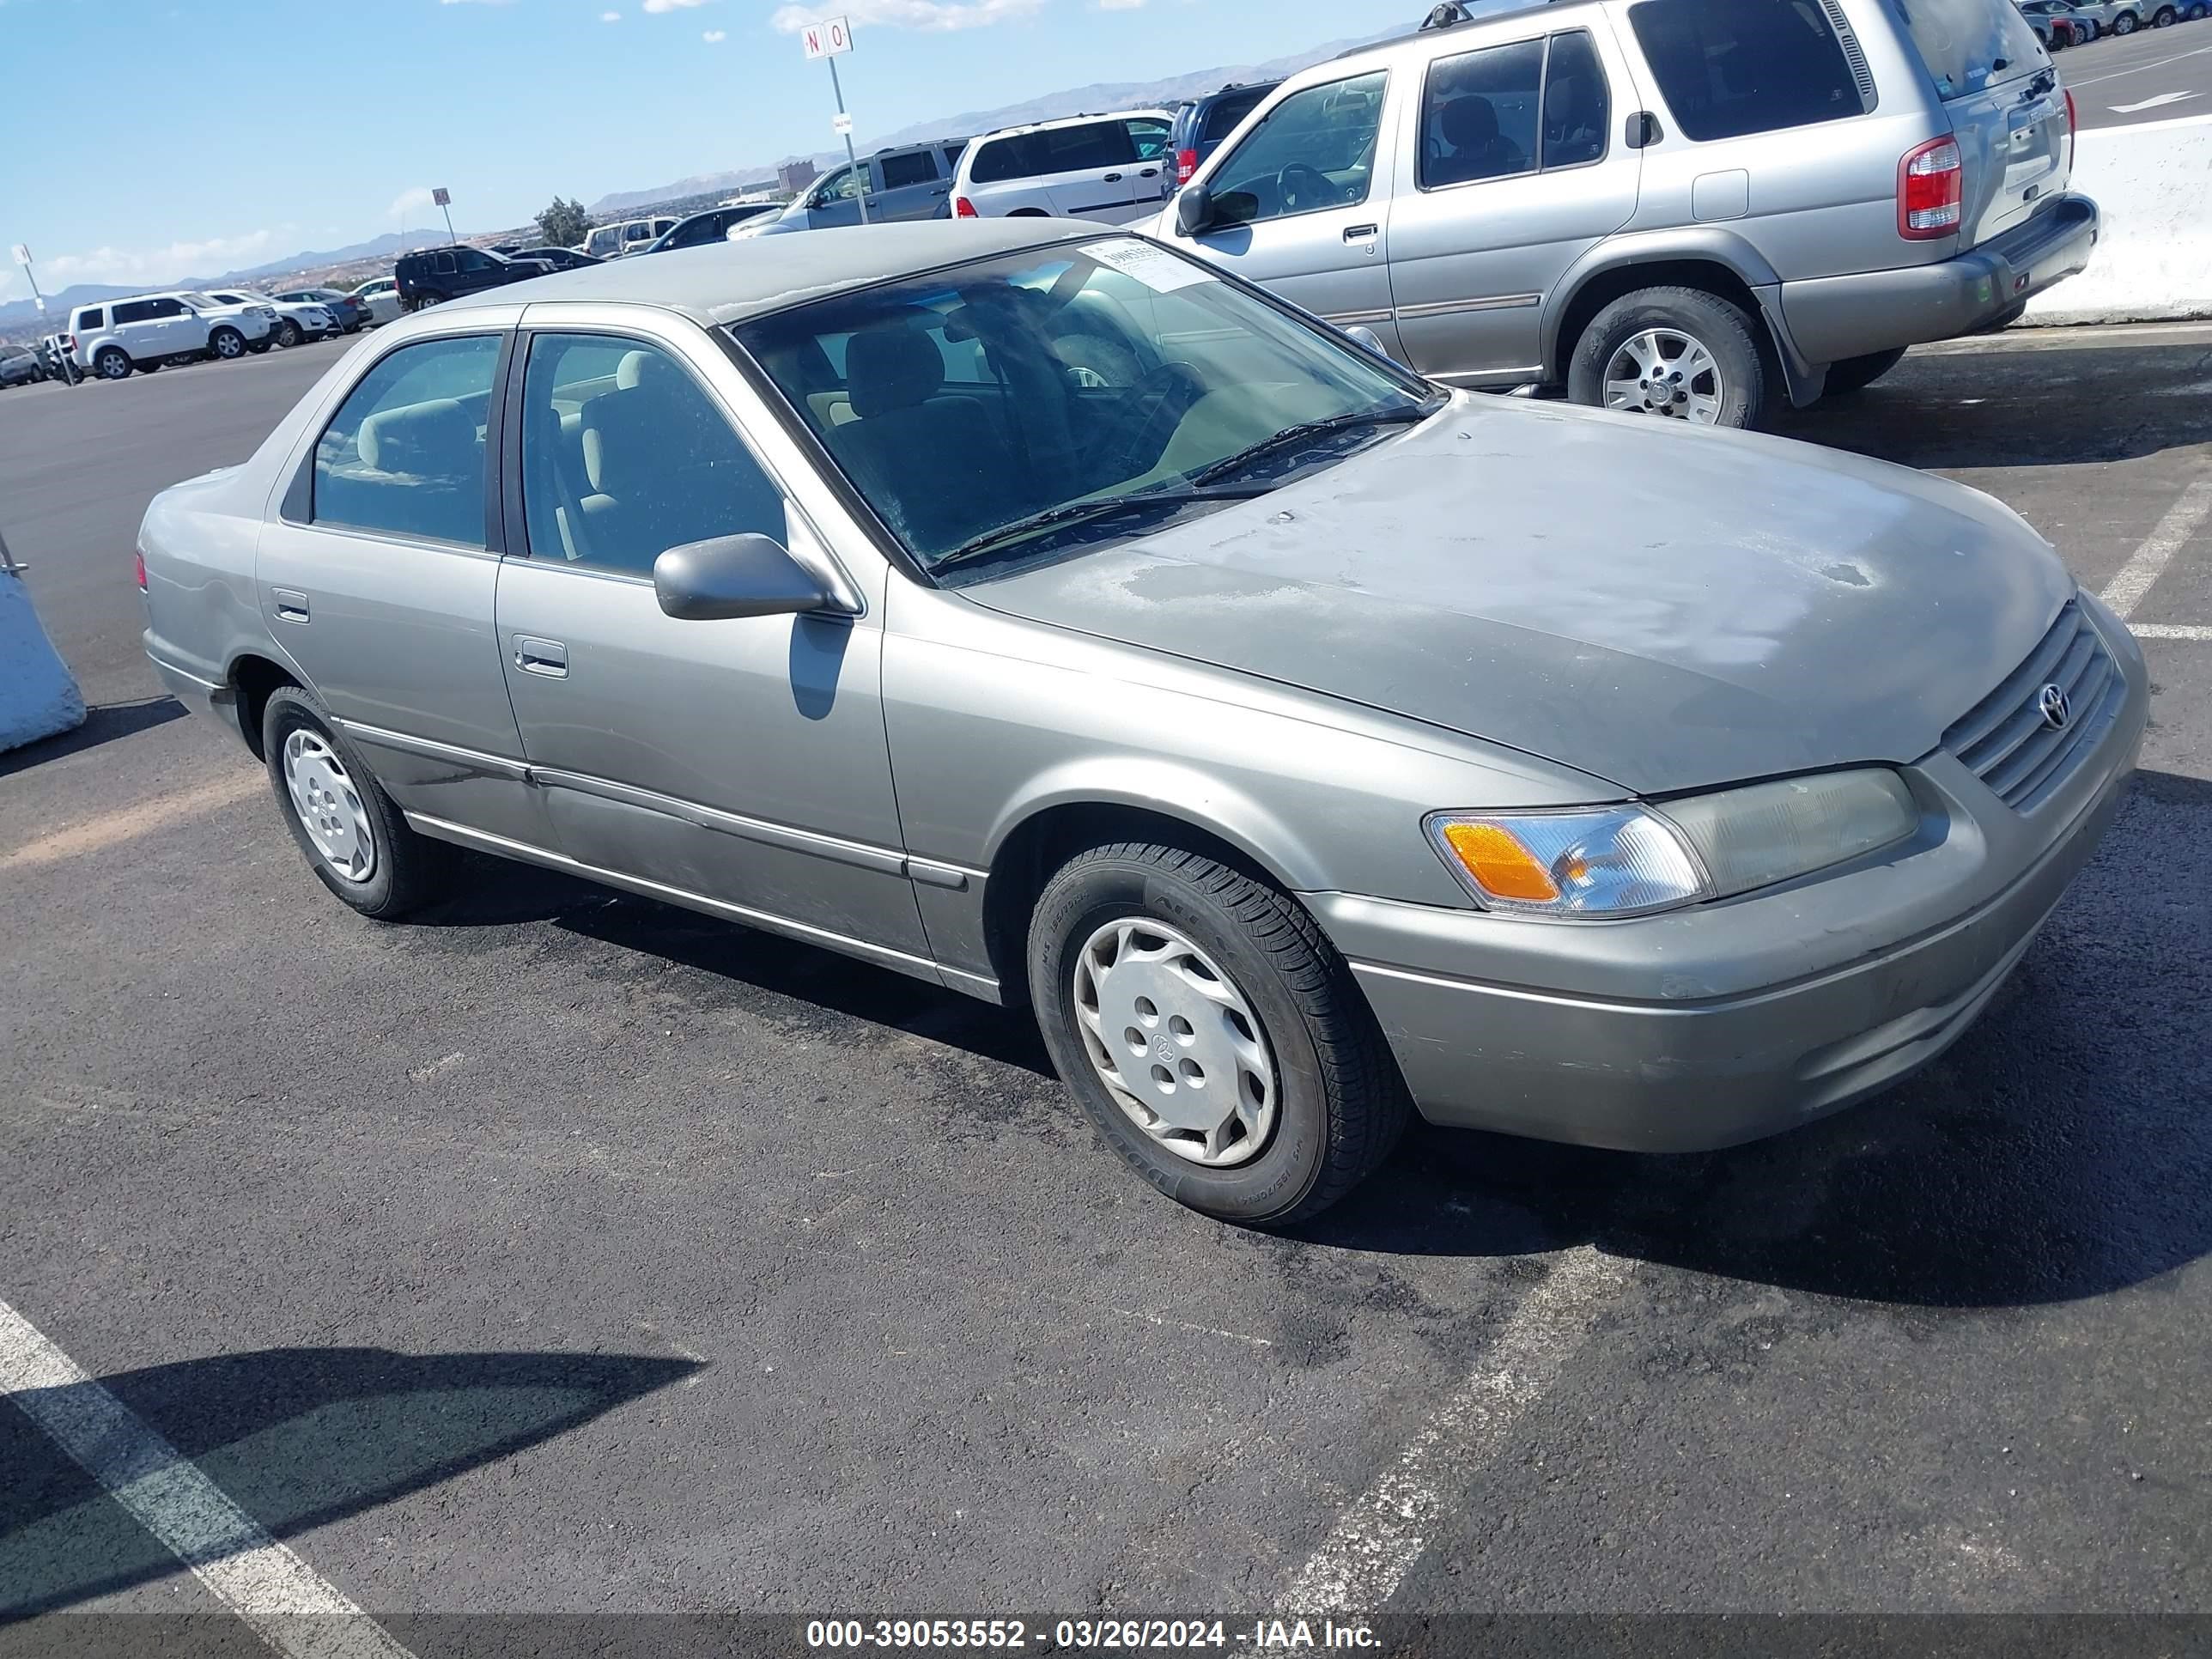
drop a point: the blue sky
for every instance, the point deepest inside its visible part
(176, 141)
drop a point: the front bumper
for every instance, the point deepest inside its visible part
(1832, 318)
(1723, 1022)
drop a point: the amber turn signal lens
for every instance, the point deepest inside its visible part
(1500, 864)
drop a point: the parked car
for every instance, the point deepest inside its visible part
(19, 366)
(56, 355)
(381, 295)
(146, 331)
(350, 310)
(434, 275)
(2055, 25)
(713, 225)
(1112, 167)
(296, 320)
(1707, 249)
(557, 258)
(627, 236)
(798, 587)
(1202, 124)
(911, 181)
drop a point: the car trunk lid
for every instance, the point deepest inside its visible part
(2007, 111)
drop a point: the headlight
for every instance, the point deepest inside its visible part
(1631, 860)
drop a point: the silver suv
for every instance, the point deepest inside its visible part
(1691, 208)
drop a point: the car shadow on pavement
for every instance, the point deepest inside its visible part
(102, 725)
(296, 1438)
(2036, 407)
(2061, 1150)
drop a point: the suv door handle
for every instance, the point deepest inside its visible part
(546, 657)
(1360, 233)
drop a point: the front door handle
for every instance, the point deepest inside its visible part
(1111, 179)
(1360, 233)
(291, 604)
(537, 656)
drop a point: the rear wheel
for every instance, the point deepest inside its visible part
(1677, 353)
(1856, 374)
(257, 347)
(2165, 17)
(356, 841)
(1212, 1033)
(227, 343)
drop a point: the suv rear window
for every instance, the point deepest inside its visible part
(1967, 43)
(1731, 67)
(1222, 118)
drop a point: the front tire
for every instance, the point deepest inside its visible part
(355, 840)
(2164, 18)
(2125, 23)
(288, 334)
(1212, 1033)
(1677, 353)
(227, 343)
(1857, 373)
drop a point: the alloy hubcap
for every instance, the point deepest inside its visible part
(1665, 372)
(329, 805)
(1175, 1042)
(226, 346)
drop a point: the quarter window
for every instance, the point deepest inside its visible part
(1576, 106)
(625, 457)
(1730, 67)
(1314, 149)
(1149, 136)
(404, 454)
(88, 320)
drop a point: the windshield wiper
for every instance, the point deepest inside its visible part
(1305, 430)
(991, 540)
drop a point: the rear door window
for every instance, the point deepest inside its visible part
(133, 311)
(1078, 150)
(1730, 67)
(1479, 114)
(912, 166)
(1968, 43)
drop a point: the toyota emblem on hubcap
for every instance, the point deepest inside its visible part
(2051, 702)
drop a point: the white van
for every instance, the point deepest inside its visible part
(1116, 168)
(627, 236)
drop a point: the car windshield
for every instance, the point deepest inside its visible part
(1058, 396)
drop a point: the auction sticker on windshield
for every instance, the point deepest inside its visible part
(1155, 267)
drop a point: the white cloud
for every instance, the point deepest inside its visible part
(931, 14)
(1120, 5)
(159, 264)
(611, 17)
(407, 200)
(712, 36)
(671, 5)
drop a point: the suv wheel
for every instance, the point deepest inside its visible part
(2165, 17)
(287, 333)
(1679, 353)
(1856, 374)
(355, 840)
(112, 363)
(1211, 1033)
(227, 343)
(424, 301)
(2125, 23)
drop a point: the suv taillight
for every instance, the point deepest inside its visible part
(964, 209)
(1931, 191)
(1186, 164)
(139, 559)
(2073, 121)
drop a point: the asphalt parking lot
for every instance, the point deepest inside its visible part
(2151, 75)
(562, 1253)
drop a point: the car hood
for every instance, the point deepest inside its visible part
(1664, 606)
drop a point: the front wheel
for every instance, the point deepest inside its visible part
(1677, 353)
(2165, 17)
(227, 343)
(1212, 1033)
(257, 347)
(2125, 23)
(356, 841)
(1856, 374)
(287, 333)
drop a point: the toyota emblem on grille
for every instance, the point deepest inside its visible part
(2051, 702)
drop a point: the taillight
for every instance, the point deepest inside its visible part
(964, 209)
(1186, 164)
(1931, 191)
(139, 559)
(2073, 121)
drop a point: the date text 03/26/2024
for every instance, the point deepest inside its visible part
(1089, 1635)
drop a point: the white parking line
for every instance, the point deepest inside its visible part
(1376, 1542)
(2156, 62)
(2169, 631)
(281, 1598)
(2125, 591)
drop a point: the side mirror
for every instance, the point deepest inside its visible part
(1365, 338)
(727, 576)
(1193, 209)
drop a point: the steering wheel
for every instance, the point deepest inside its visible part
(1299, 186)
(1160, 399)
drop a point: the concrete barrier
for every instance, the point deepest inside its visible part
(38, 698)
(2153, 184)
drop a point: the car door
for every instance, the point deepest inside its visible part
(741, 762)
(1088, 171)
(378, 569)
(837, 200)
(1303, 204)
(1511, 173)
(909, 184)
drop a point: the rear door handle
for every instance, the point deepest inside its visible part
(537, 656)
(1111, 179)
(1360, 233)
(291, 604)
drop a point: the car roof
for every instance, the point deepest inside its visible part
(731, 282)
(1077, 121)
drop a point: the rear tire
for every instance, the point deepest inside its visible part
(2164, 18)
(1704, 339)
(1281, 1028)
(259, 346)
(1857, 373)
(112, 363)
(360, 848)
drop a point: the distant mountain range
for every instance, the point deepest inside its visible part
(1075, 101)
(21, 315)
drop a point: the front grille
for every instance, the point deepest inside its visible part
(2005, 739)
